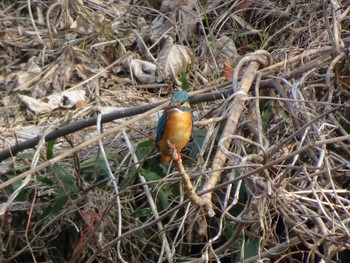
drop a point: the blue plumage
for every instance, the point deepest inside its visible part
(161, 126)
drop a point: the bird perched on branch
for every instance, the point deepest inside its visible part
(174, 125)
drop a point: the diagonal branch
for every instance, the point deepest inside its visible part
(233, 116)
(79, 125)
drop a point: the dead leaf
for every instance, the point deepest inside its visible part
(182, 12)
(170, 5)
(224, 49)
(71, 98)
(159, 27)
(244, 24)
(187, 23)
(243, 7)
(81, 104)
(67, 99)
(62, 75)
(143, 71)
(35, 105)
(21, 79)
(86, 71)
(82, 26)
(6, 168)
(171, 58)
(228, 73)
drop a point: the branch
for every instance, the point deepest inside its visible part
(186, 180)
(79, 125)
(232, 121)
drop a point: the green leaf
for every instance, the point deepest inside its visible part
(144, 149)
(96, 167)
(229, 229)
(265, 118)
(45, 180)
(163, 199)
(26, 156)
(146, 144)
(49, 149)
(66, 178)
(8, 190)
(89, 164)
(251, 248)
(149, 175)
(51, 144)
(285, 116)
(53, 210)
(198, 139)
(162, 196)
(183, 79)
(143, 212)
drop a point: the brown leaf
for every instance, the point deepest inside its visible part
(171, 58)
(243, 6)
(228, 73)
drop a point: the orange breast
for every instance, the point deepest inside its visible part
(178, 130)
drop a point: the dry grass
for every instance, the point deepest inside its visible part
(278, 174)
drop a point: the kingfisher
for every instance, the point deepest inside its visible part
(174, 125)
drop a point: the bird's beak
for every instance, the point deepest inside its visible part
(171, 106)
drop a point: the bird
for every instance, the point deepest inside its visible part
(174, 125)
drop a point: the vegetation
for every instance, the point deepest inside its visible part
(265, 177)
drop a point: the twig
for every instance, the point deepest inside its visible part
(175, 155)
(306, 54)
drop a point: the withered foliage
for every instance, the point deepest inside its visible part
(267, 170)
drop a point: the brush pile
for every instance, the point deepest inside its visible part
(269, 159)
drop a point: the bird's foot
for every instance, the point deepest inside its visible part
(173, 152)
